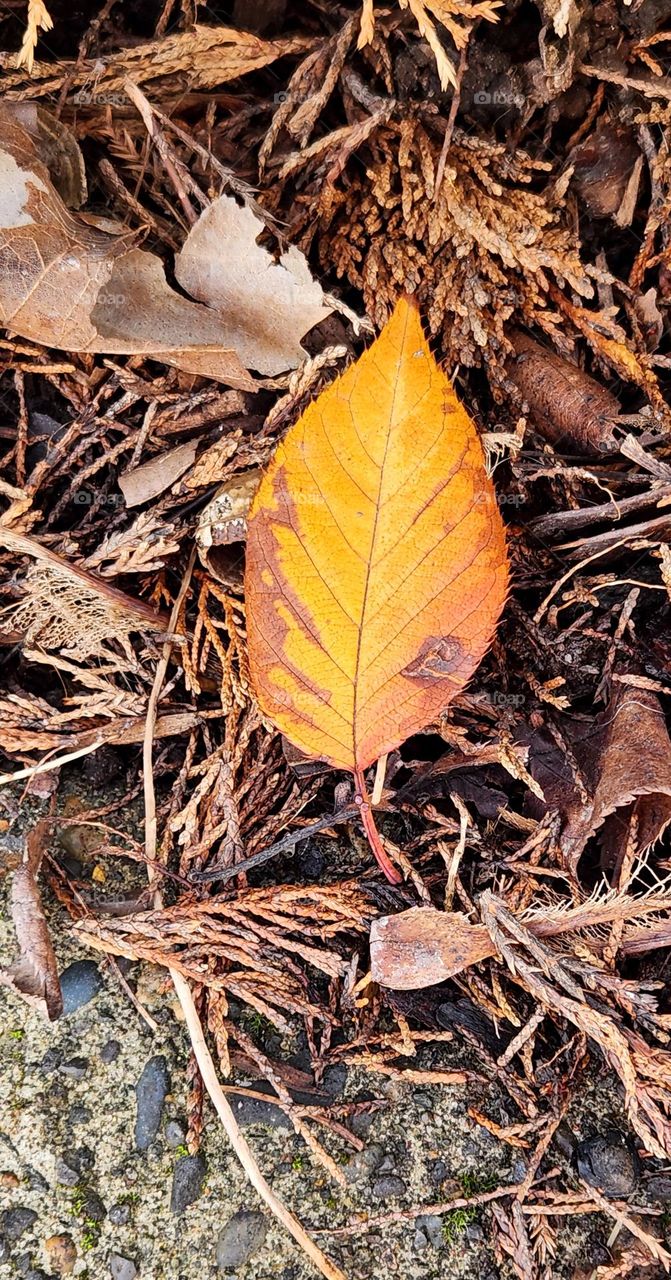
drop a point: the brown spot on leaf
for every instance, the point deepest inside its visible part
(438, 658)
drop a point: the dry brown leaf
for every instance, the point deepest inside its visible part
(58, 147)
(628, 764)
(265, 307)
(34, 974)
(423, 946)
(155, 476)
(66, 283)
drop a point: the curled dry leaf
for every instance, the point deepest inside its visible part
(603, 164)
(376, 558)
(628, 766)
(223, 524)
(265, 307)
(66, 283)
(34, 974)
(58, 147)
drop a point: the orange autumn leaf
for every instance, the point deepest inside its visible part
(376, 559)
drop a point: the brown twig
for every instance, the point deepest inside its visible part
(183, 990)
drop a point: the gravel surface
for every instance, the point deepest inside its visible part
(96, 1182)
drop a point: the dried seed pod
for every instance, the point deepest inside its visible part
(567, 406)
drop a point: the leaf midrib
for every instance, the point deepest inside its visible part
(370, 564)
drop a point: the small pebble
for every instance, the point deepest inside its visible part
(361, 1124)
(150, 1091)
(255, 1111)
(75, 1068)
(110, 1052)
(35, 1180)
(13, 1222)
(187, 1182)
(334, 1081)
(388, 1187)
(61, 1254)
(122, 1268)
(79, 1114)
(4, 1250)
(363, 1163)
(93, 1207)
(9, 1179)
(240, 1239)
(609, 1162)
(119, 1215)
(51, 1061)
(80, 982)
(72, 1165)
(431, 1226)
(84, 1159)
(66, 1173)
(174, 1134)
